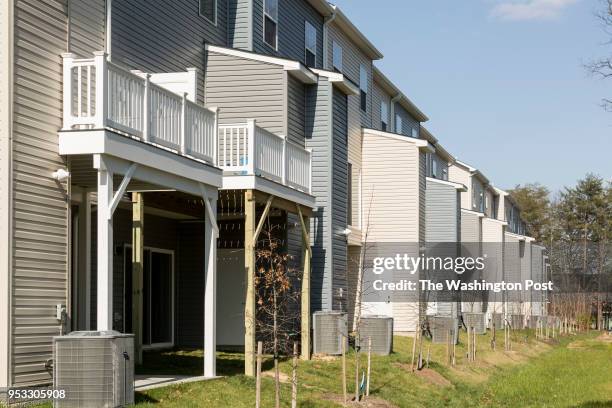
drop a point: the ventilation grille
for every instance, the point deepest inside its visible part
(498, 320)
(475, 320)
(380, 330)
(330, 330)
(517, 321)
(440, 327)
(93, 369)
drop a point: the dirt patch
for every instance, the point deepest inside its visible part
(578, 344)
(284, 378)
(429, 375)
(369, 402)
(605, 337)
(323, 357)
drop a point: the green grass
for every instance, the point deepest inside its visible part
(534, 374)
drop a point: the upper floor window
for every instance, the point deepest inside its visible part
(398, 124)
(310, 41)
(434, 168)
(414, 132)
(208, 10)
(349, 201)
(271, 23)
(337, 56)
(384, 116)
(363, 86)
(444, 173)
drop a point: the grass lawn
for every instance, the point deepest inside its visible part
(575, 372)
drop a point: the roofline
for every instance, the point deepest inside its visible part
(441, 151)
(296, 68)
(420, 143)
(474, 171)
(339, 80)
(322, 6)
(395, 91)
(357, 36)
(458, 186)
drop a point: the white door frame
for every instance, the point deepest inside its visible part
(127, 249)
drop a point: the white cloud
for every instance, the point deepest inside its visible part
(530, 9)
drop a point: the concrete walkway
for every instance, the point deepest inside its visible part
(148, 382)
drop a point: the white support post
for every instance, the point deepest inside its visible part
(215, 135)
(183, 138)
(84, 259)
(285, 162)
(146, 108)
(105, 246)
(251, 139)
(101, 89)
(210, 289)
(67, 60)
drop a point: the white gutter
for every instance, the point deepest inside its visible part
(394, 100)
(326, 23)
(109, 28)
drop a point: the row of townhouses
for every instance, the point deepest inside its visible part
(144, 144)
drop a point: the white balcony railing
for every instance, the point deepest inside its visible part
(100, 95)
(250, 150)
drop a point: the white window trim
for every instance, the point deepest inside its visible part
(216, 12)
(263, 25)
(306, 49)
(336, 46)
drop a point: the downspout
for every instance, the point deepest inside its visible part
(326, 22)
(109, 28)
(394, 100)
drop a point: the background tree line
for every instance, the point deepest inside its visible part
(575, 226)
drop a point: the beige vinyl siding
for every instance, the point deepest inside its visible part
(470, 227)
(391, 189)
(41, 222)
(239, 28)
(461, 175)
(247, 89)
(87, 27)
(6, 47)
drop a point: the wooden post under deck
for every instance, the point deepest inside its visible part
(305, 296)
(249, 266)
(137, 271)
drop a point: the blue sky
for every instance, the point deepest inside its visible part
(502, 81)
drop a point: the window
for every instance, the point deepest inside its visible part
(434, 168)
(310, 41)
(384, 116)
(271, 22)
(415, 133)
(398, 124)
(208, 10)
(363, 86)
(349, 199)
(445, 174)
(337, 56)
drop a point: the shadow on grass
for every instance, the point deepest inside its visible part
(191, 362)
(594, 404)
(140, 398)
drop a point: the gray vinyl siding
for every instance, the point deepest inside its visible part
(292, 16)
(441, 167)
(379, 96)
(352, 59)
(40, 235)
(164, 36)
(87, 27)
(339, 200)
(441, 213)
(537, 275)
(408, 122)
(512, 268)
(247, 89)
(239, 33)
(296, 100)
(318, 131)
(526, 269)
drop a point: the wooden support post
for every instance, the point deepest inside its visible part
(294, 380)
(249, 266)
(369, 366)
(258, 376)
(344, 393)
(137, 271)
(305, 294)
(210, 287)
(105, 246)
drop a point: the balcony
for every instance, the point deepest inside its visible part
(103, 95)
(246, 149)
